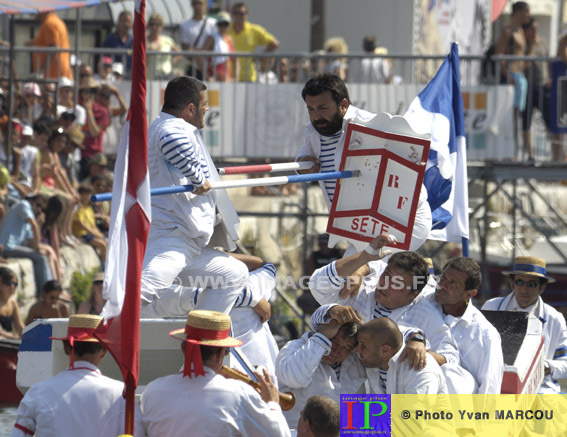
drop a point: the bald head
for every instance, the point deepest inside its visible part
(378, 341)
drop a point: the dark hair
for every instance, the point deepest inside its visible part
(180, 92)
(42, 128)
(542, 281)
(369, 43)
(84, 189)
(124, 13)
(60, 132)
(414, 264)
(519, 6)
(6, 275)
(52, 285)
(326, 82)
(470, 267)
(323, 415)
(82, 348)
(207, 352)
(52, 211)
(350, 329)
(529, 24)
(239, 5)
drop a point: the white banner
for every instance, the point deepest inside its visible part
(268, 121)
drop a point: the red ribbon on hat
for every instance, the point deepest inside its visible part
(77, 334)
(193, 358)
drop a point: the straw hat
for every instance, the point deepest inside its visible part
(81, 328)
(207, 328)
(76, 136)
(529, 266)
(223, 17)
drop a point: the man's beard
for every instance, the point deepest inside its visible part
(328, 128)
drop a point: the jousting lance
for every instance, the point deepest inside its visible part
(261, 182)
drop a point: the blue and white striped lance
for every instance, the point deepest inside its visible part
(276, 180)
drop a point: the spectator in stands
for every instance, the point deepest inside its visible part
(84, 223)
(339, 66)
(52, 33)
(95, 303)
(321, 417)
(97, 165)
(68, 156)
(160, 66)
(49, 306)
(374, 70)
(66, 104)
(221, 67)
(32, 109)
(26, 167)
(104, 70)
(196, 34)
(528, 280)
(122, 38)
(11, 325)
(51, 230)
(557, 138)
(101, 209)
(118, 71)
(98, 119)
(537, 74)
(247, 37)
(513, 42)
(20, 236)
(54, 180)
(104, 95)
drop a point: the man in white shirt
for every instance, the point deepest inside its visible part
(251, 313)
(392, 290)
(79, 401)
(198, 401)
(380, 345)
(321, 363)
(197, 34)
(479, 343)
(330, 112)
(528, 280)
(179, 271)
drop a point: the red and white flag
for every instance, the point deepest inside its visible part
(130, 223)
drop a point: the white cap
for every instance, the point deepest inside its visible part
(27, 130)
(118, 68)
(64, 82)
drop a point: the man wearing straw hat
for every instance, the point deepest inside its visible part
(528, 279)
(198, 401)
(79, 401)
(183, 224)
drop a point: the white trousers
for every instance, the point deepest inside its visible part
(178, 276)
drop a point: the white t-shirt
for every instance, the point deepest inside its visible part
(189, 31)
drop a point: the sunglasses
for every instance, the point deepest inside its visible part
(14, 283)
(240, 14)
(529, 284)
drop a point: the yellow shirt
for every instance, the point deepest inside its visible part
(252, 36)
(85, 215)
